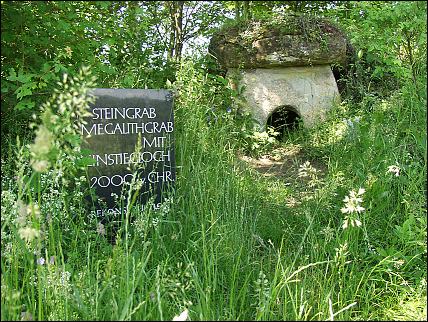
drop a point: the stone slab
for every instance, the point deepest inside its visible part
(310, 90)
(122, 119)
(287, 42)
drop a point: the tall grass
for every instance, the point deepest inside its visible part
(229, 244)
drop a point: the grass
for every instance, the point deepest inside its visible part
(231, 245)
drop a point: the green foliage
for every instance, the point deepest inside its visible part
(58, 139)
(342, 235)
(124, 44)
(390, 39)
(260, 142)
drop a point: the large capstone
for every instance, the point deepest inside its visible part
(283, 63)
(289, 41)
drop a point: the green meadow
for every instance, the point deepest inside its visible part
(336, 230)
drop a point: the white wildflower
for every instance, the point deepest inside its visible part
(394, 169)
(349, 221)
(306, 170)
(22, 213)
(341, 252)
(353, 207)
(68, 51)
(64, 279)
(182, 317)
(155, 222)
(352, 202)
(356, 222)
(40, 165)
(33, 209)
(28, 234)
(100, 229)
(345, 223)
(398, 263)
(328, 233)
(43, 141)
(40, 149)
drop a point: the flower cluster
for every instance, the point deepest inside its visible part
(306, 170)
(352, 208)
(100, 229)
(341, 254)
(57, 140)
(41, 148)
(177, 283)
(28, 233)
(182, 316)
(25, 230)
(394, 169)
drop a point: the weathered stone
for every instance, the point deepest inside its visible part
(308, 90)
(291, 41)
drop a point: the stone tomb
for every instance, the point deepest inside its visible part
(130, 132)
(284, 66)
(307, 92)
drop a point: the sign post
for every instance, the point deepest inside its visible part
(130, 133)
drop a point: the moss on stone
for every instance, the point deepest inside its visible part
(293, 40)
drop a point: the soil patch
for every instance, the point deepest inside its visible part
(283, 163)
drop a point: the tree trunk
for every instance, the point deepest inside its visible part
(246, 10)
(175, 46)
(170, 6)
(178, 21)
(237, 10)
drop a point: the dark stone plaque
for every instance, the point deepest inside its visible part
(130, 134)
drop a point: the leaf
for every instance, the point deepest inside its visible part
(5, 89)
(25, 90)
(74, 139)
(48, 76)
(12, 75)
(7, 36)
(111, 42)
(222, 80)
(378, 72)
(46, 67)
(59, 67)
(25, 104)
(128, 80)
(85, 161)
(42, 84)
(104, 4)
(22, 78)
(63, 25)
(107, 69)
(86, 152)
(139, 11)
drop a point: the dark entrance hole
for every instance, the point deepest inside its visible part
(284, 119)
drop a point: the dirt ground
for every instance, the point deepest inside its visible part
(283, 163)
